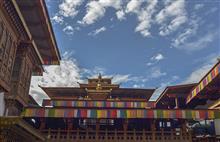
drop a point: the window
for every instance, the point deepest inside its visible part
(168, 124)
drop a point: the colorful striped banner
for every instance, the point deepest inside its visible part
(121, 113)
(103, 104)
(204, 82)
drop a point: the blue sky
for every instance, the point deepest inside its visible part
(140, 43)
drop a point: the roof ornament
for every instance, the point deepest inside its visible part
(99, 86)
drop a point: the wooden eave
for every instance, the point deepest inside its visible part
(183, 89)
(54, 92)
(218, 76)
(210, 92)
(59, 92)
(95, 85)
(41, 32)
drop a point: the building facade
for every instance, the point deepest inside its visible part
(26, 43)
(97, 110)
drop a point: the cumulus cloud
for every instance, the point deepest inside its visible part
(68, 30)
(97, 31)
(68, 8)
(144, 14)
(134, 6)
(171, 17)
(120, 15)
(156, 58)
(64, 75)
(57, 19)
(96, 10)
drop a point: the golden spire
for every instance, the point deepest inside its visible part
(99, 86)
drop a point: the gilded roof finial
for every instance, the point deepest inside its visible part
(100, 76)
(99, 86)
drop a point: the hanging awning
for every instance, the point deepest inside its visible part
(121, 113)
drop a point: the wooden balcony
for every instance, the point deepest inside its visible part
(117, 136)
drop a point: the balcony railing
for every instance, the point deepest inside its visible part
(122, 136)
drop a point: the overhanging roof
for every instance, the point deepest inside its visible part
(74, 91)
(37, 20)
(177, 90)
(207, 86)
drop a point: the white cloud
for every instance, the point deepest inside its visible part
(155, 59)
(134, 6)
(198, 6)
(120, 15)
(97, 31)
(158, 57)
(188, 32)
(63, 75)
(118, 78)
(68, 8)
(173, 25)
(171, 17)
(200, 71)
(68, 30)
(197, 44)
(96, 10)
(145, 18)
(157, 73)
(57, 19)
(138, 86)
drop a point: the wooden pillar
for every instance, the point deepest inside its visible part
(162, 134)
(183, 129)
(69, 124)
(106, 134)
(49, 134)
(172, 134)
(134, 134)
(87, 134)
(144, 134)
(77, 134)
(97, 129)
(68, 135)
(42, 123)
(153, 129)
(115, 134)
(58, 135)
(125, 127)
